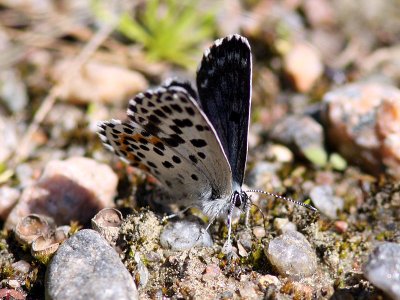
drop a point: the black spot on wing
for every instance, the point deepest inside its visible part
(128, 130)
(190, 111)
(145, 133)
(198, 143)
(159, 113)
(176, 129)
(183, 123)
(154, 119)
(160, 145)
(167, 164)
(151, 164)
(174, 140)
(158, 151)
(166, 109)
(177, 108)
(193, 159)
(176, 159)
(143, 141)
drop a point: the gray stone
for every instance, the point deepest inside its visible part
(292, 255)
(184, 235)
(303, 134)
(325, 201)
(87, 267)
(383, 269)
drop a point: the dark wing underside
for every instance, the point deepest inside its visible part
(224, 87)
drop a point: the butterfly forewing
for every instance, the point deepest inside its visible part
(224, 88)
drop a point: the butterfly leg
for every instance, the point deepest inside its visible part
(179, 213)
(227, 248)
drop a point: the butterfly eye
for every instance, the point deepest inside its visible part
(238, 200)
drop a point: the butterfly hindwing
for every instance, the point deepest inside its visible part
(224, 89)
(142, 150)
(173, 116)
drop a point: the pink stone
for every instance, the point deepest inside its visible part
(304, 65)
(341, 226)
(73, 189)
(364, 125)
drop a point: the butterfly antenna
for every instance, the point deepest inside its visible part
(283, 198)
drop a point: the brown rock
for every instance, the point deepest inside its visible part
(363, 124)
(100, 82)
(303, 64)
(73, 189)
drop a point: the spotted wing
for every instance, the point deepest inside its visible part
(171, 114)
(224, 87)
(169, 137)
(138, 148)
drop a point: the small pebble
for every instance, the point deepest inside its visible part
(280, 153)
(14, 284)
(87, 267)
(292, 255)
(21, 266)
(245, 239)
(259, 232)
(304, 64)
(241, 250)
(212, 270)
(283, 225)
(325, 201)
(211, 273)
(248, 291)
(141, 271)
(383, 268)
(183, 235)
(341, 226)
(267, 280)
(305, 134)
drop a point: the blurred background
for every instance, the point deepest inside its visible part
(325, 121)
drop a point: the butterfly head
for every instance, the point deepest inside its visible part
(241, 200)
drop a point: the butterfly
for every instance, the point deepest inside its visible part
(195, 142)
